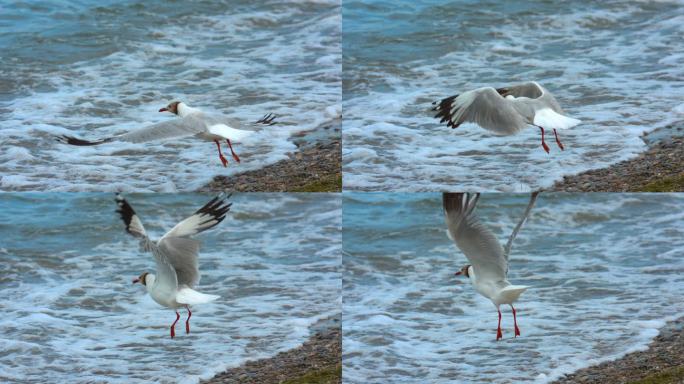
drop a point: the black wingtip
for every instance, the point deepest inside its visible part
(268, 119)
(217, 208)
(125, 211)
(80, 142)
(444, 112)
(459, 202)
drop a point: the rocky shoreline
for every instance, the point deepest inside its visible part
(315, 167)
(317, 361)
(661, 363)
(659, 169)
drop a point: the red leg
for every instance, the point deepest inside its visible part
(515, 322)
(173, 326)
(546, 147)
(187, 322)
(223, 159)
(498, 329)
(235, 156)
(560, 145)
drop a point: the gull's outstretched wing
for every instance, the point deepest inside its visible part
(509, 244)
(179, 127)
(206, 217)
(477, 242)
(181, 251)
(133, 224)
(530, 89)
(484, 107)
(182, 254)
(166, 274)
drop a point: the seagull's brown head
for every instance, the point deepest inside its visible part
(463, 271)
(142, 279)
(172, 107)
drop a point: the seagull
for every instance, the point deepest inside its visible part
(192, 122)
(488, 266)
(176, 256)
(506, 111)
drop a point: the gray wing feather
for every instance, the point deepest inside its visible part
(539, 96)
(509, 244)
(486, 108)
(477, 242)
(182, 254)
(133, 224)
(530, 89)
(204, 218)
(166, 273)
(548, 100)
(186, 126)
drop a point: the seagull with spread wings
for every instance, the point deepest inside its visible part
(191, 122)
(506, 111)
(488, 268)
(176, 256)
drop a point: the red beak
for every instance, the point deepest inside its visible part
(136, 280)
(458, 273)
(163, 109)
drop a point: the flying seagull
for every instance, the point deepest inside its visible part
(488, 266)
(192, 122)
(506, 111)
(176, 256)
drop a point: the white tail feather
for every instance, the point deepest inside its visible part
(235, 135)
(547, 118)
(191, 297)
(512, 293)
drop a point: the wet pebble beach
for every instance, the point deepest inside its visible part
(659, 169)
(314, 167)
(317, 361)
(662, 362)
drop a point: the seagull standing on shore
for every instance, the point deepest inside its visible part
(176, 256)
(192, 122)
(488, 268)
(506, 111)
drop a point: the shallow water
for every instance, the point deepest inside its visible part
(99, 68)
(615, 65)
(71, 312)
(605, 272)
